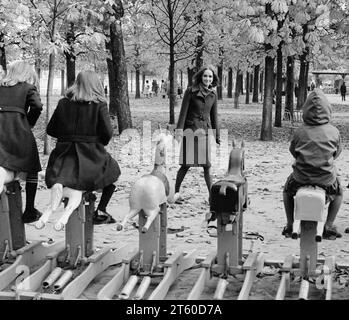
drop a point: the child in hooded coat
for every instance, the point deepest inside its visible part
(315, 145)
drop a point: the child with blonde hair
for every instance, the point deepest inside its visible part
(81, 124)
(20, 108)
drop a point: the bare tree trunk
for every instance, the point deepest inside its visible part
(171, 70)
(38, 68)
(2, 52)
(70, 56)
(267, 115)
(131, 82)
(289, 85)
(122, 110)
(143, 81)
(112, 84)
(199, 61)
(278, 98)
(261, 81)
(237, 89)
(173, 94)
(247, 98)
(51, 71)
(181, 73)
(62, 82)
(70, 65)
(241, 83)
(190, 73)
(138, 91)
(220, 84)
(230, 83)
(255, 84)
(306, 79)
(301, 82)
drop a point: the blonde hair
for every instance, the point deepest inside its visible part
(20, 71)
(87, 87)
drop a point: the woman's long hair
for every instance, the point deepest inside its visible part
(20, 71)
(197, 78)
(87, 87)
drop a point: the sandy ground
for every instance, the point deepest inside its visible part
(267, 165)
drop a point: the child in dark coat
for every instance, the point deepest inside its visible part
(82, 126)
(315, 146)
(20, 108)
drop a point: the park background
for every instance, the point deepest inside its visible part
(261, 51)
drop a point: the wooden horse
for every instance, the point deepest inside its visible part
(228, 200)
(234, 178)
(151, 190)
(6, 176)
(58, 192)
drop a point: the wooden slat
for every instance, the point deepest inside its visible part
(79, 284)
(176, 265)
(330, 264)
(114, 285)
(285, 278)
(253, 267)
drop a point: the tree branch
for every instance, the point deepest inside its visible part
(42, 17)
(183, 32)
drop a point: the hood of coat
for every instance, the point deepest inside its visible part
(316, 109)
(198, 89)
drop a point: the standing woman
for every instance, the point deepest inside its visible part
(81, 124)
(198, 112)
(20, 108)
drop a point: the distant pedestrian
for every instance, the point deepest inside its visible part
(179, 91)
(312, 86)
(163, 89)
(343, 90)
(147, 89)
(155, 87)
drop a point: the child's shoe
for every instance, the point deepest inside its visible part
(177, 198)
(102, 217)
(331, 233)
(287, 231)
(31, 215)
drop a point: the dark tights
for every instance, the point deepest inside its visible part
(105, 197)
(30, 190)
(183, 171)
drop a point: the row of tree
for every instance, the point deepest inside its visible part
(255, 38)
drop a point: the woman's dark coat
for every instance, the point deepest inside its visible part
(343, 89)
(79, 160)
(197, 112)
(20, 108)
